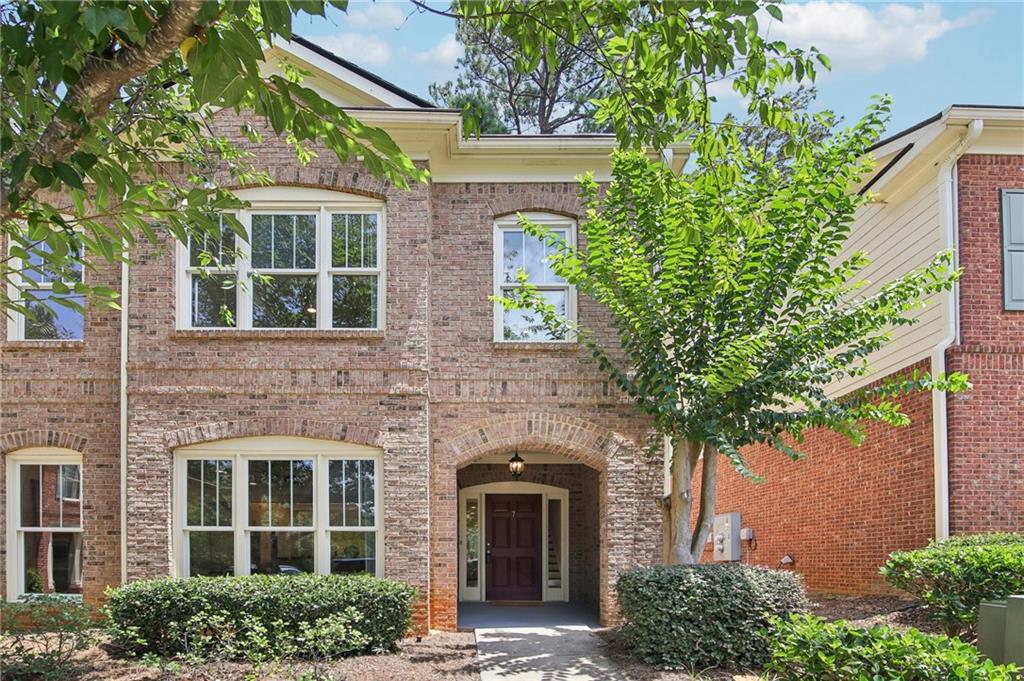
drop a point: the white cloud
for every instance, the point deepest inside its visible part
(376, 15)
(860, 37)
(443, 55)
(362, 49)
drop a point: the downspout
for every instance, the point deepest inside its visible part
(949, 225)
(123, 402)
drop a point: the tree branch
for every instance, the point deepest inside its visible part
(101, 82)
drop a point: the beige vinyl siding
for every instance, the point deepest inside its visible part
(897, 237)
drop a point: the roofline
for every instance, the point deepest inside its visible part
(368, 75)
(950, 112)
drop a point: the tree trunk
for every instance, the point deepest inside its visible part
(688, 540)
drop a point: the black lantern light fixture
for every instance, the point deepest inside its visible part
(516, 465)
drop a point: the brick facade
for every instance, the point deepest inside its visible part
(842, 509)
(432, 390)
(986, 425)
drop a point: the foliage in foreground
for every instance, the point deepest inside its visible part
(806, 647)
(953, 576)
(734, 304)
(701, 616)
(42, 636)
(260, 617)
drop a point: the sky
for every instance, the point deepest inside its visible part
(926, 55)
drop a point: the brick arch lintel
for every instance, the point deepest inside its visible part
(550, 211)
(294, 427)
(21, 439)
(575, 438)
(312, 183)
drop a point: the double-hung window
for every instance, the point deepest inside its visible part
(44, 294)
(306, 265)
(44, 523)
(277, 506)
(517, 251)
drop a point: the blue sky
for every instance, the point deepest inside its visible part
(927, 55)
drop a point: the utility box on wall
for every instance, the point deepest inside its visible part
(725, 535)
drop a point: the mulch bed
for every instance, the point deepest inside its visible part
(438, 656)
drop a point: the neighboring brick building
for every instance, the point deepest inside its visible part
(949, 182)
(357, 409)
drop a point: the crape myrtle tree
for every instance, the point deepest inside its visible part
(734, 304)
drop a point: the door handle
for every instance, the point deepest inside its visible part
(487, 553)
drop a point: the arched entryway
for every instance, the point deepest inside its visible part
(535, 540)
(605, 468)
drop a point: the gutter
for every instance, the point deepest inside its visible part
(949, 226)
(123, 420)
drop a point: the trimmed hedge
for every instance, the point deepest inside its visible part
(806, 647)
(951, 577)
(697, 616)
(260, 616)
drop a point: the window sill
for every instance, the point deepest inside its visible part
(278, 334)
(543, 346)
(72, 345)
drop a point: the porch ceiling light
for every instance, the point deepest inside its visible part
(516, 465)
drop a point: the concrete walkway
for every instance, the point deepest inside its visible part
(553, 642)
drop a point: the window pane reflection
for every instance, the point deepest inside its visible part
(211, 553)
(52, 562)
(280, 553)
(353, 552)
(351, 491)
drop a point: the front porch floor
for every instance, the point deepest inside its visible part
(475, 615)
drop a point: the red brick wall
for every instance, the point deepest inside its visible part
(65, 394)
(841, 510)
(986, 425)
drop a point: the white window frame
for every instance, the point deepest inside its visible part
(291, 200)
(511, 223)
(34, 456)
(16, 321)
(242, 451)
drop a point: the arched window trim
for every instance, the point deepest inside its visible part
(510, 223)
(17, 531)
(242, 453)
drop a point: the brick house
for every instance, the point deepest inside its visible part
(357, 409)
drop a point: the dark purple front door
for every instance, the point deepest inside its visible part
(513, 547)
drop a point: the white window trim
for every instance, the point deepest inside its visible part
(480, 492)
(263, 448)
(16, 321)
(511, 222)
(321, 203)
(45, 456)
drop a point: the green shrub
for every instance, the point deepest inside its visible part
(952, 577)
(697, 616)
(41, 637)
(260, 617)
(806, 647)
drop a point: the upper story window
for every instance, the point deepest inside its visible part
(516, 250)
(53, 309)
(314, 260)
(44, 523)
